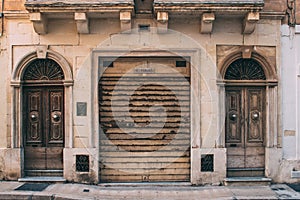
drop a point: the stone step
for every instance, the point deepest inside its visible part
(247, 181)
(34, 173)
(43, 179)
(245, 172)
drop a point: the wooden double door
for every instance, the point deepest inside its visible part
(43, 130)
(245, 131)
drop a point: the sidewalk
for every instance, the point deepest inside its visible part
(151, 192)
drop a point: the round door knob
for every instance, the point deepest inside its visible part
(233, 116)
(255, 116)
(56, 117)
(33, 116)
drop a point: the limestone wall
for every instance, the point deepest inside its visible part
(19, 39)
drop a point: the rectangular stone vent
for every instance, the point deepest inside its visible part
(207, 163)
(82, 163)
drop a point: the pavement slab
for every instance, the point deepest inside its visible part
(75, 191)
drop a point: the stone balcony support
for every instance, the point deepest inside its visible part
(125, 21)
(39, 23)
(207, 21)
(250, 22)
(162, 22)
(82, 23)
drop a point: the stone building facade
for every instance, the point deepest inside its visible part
(149, 91)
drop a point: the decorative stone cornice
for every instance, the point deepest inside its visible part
(77, 5)
(224, 6)
(41, 10)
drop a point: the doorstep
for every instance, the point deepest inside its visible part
(43, 179)
(247, 181)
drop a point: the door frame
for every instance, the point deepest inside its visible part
(272, 140)
(16, 137)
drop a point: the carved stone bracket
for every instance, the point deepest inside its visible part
(125, 19)
(39, 23)
(162, 22)
(207, 21)
(82, 23)
(250, 22)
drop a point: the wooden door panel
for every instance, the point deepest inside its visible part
(236, 157)
(35, 158)
(54, 158)
(255, 157)
(255, 101)
(233, 117)
(33, 117)
(56, 117)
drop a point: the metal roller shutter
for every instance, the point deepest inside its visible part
(145, 121)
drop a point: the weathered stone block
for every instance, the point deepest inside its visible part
(297, 12)
(14, 5)
(70, 173)
(10, 167)
(275, 5)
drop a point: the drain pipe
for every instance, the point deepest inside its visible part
(2, 18)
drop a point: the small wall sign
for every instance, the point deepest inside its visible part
(81, 108)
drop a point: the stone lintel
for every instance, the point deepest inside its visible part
(250, 22)
(82, 22)
(207, 21)
(162, 22)
(125, 21)
(39, 23)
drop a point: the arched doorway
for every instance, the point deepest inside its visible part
(245, 123)
(43, 129)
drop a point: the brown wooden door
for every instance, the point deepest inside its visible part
(245, 127)
(43, 130)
